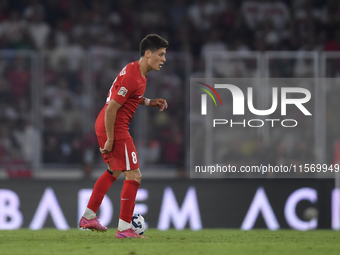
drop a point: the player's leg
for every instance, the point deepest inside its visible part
(127, 204)
(100, 188)
(128, 197)
(131, 184)
(102, 185)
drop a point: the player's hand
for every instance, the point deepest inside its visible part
(107, 147)
(159, 102)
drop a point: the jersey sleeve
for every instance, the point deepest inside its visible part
(125, 89)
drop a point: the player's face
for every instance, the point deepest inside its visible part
(157, 59)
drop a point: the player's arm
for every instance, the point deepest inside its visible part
(159, 102)
(110, 119)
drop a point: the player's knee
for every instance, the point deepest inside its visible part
(138, 178)
(133, 175)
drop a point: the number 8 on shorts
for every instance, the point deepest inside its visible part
(131, 156)
(134, 157)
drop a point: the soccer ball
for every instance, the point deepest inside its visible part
(138, 223)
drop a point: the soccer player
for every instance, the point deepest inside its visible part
(116, 144)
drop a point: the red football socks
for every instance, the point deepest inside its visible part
(127, 200)
(100, 188)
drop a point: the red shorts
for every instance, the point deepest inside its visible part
(123, 155)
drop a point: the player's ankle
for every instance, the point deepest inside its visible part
(89, 214)
(123, 225)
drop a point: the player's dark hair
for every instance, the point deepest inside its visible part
(153, 43)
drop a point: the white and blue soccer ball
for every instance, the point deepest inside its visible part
(138, 223)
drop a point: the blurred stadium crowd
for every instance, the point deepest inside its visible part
(196, 26)
(69, 29)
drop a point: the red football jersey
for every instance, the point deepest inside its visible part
(127, 89)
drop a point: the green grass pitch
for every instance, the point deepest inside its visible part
(205, 242)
